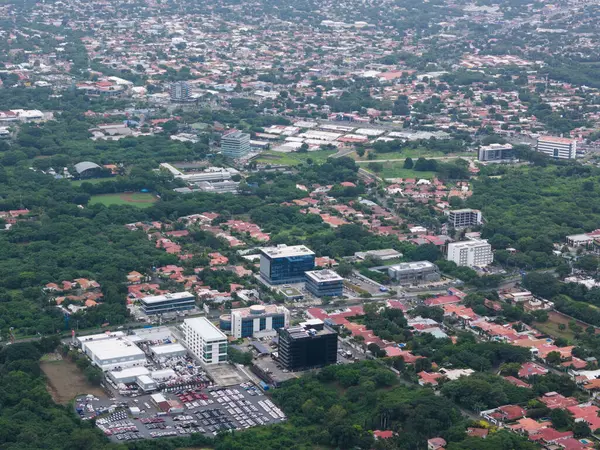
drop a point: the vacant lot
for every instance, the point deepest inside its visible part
(395, 169)
(294, 158)
(66, 381)
(138, 199)
(551, 329)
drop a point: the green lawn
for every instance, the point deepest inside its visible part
(138, 199)
(409, 153)
(91, 180)
(294, 158)
(551, 328)
(396, 170)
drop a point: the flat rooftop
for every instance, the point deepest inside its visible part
(129, 372)
(258, 312)
(413, 265)
(114, 348)
(152, 299)
(555, 140)
(476, 243)
(283, 251)
(304, 333)
(168, 349)
(464, 210)
(205, 328)
(320, 276)
(497, 147)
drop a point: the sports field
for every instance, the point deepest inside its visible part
(138, 199)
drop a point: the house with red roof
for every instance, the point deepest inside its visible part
(530, 369)
(442, 300)
(554, 400)
(515, 381)
(478, 432)
(378, 434)
(427, 378)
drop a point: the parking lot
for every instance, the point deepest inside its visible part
(204, 411)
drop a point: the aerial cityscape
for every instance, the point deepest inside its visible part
(274, 224)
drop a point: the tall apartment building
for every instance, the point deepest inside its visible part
(414, 272)
(311, 344)
(496, 153)
(235, 144)
(246, 322)
(463, 218)
(179, 91)
(557, 147)
(204, 340)
(283, 264)
(324, 283)
(474, 253)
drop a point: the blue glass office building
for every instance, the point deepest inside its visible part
(283, 264)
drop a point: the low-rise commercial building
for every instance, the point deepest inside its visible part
(205, 341)
(496, 153)
(324, 283)
(108, 354)
(475, 253)
(168, 350)
(463, 218)
(283, 264)
(414, 273)
(246, 322)
(159, 304)
(557, 147)
(308, 345)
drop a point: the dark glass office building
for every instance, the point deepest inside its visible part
(283, 264)
(312, 344)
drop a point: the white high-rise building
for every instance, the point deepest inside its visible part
(557, 147)
(235, 144)
(204, 340)
(462, 218)
(475, 253)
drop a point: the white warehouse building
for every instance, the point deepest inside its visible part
(205, 341)
(109, 354)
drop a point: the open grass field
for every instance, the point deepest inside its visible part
(551, 329)
(66, 381)
(294, 158)
(89, 180)
(138, 199)
(395, 169)
(409, 153)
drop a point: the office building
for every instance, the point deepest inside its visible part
(324, 283)
(283, 264)
(311, 344)
(557, 147)
(204, 340)
(108, 354)
(256, 319)
(160, 304)
(463, 218)
(179, 91)
(496, 153)
(475, 253)
(211, 174)
(235, 144)
(414, 273)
